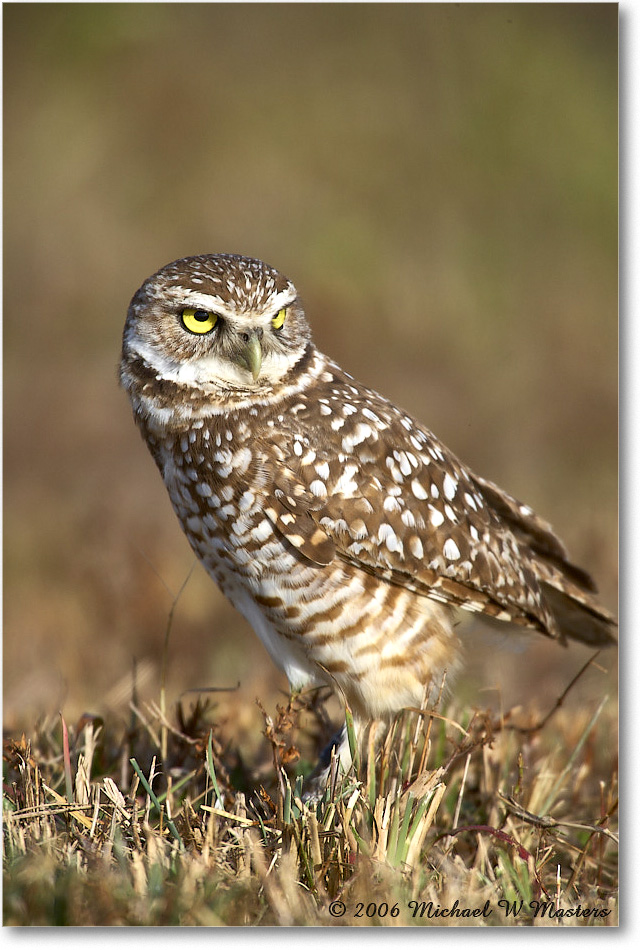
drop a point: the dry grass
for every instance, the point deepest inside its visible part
(512, 822)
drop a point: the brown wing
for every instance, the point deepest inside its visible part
(389, 498)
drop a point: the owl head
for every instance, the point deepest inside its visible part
(217, 323)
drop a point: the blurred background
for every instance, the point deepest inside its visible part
(440, 182)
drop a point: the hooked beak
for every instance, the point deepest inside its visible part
(250, 354)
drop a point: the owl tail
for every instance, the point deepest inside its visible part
(579, 618)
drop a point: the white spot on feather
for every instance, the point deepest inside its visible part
(436, 517)
(346, 484)
(404, 464)
(451, 551)
(246, 500)
(418, 490)
(387, 535)
(408, 519)
(450, 487)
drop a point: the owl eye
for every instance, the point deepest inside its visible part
(198, 321)
(278, 320)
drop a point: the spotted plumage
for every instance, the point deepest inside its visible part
(341, 528)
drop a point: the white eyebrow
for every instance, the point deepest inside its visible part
(200, 301)
(282, 299)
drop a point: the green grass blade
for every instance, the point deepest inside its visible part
(352, 739)
(152, 795)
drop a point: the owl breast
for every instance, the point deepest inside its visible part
(377, 643)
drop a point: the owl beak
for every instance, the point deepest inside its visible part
(250, 355)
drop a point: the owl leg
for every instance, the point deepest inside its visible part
(337, 749)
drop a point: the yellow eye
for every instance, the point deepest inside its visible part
(198, 321)
(279, 320)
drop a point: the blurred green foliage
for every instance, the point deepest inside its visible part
(440, 181)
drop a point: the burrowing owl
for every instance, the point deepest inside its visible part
(341, 528)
